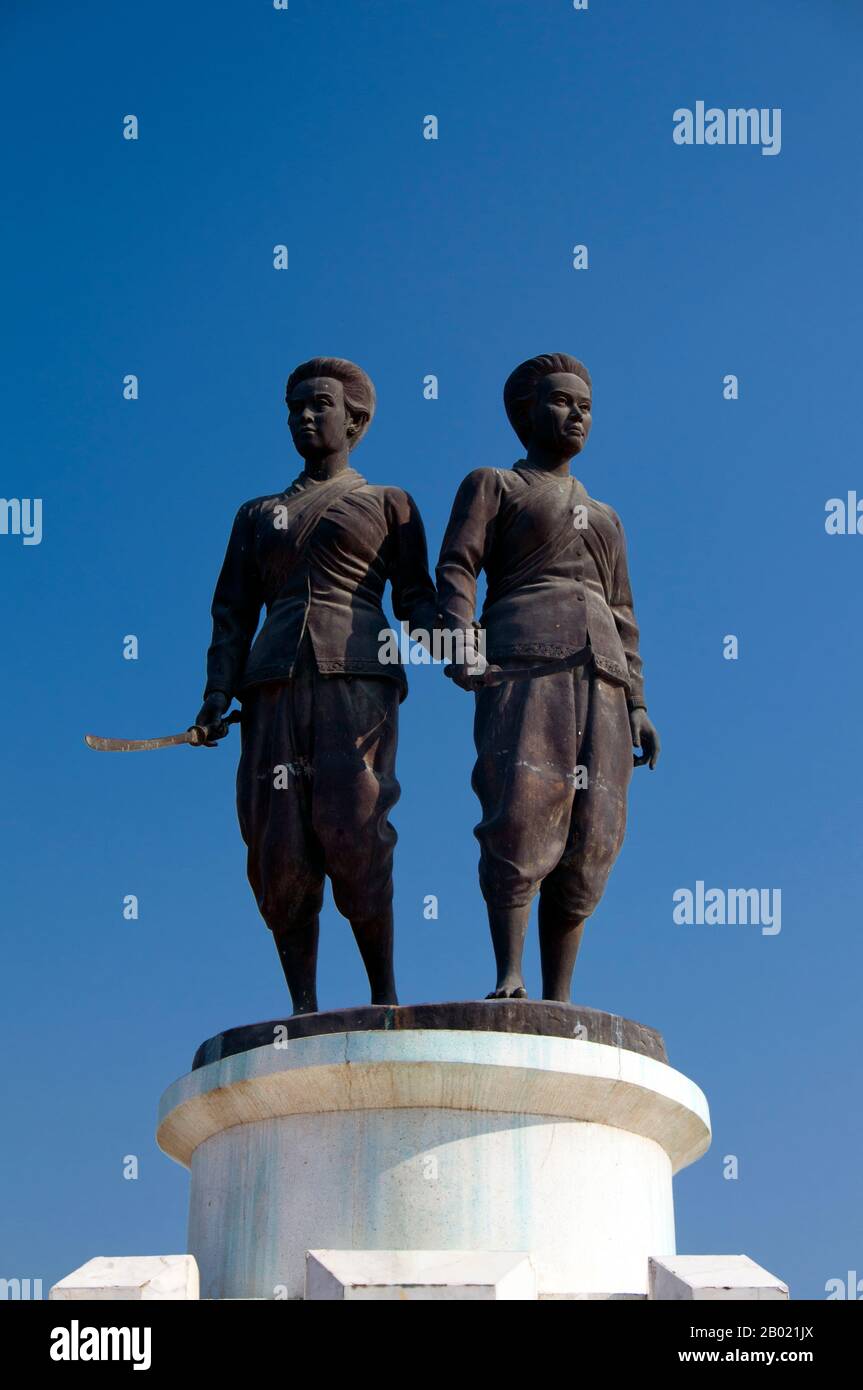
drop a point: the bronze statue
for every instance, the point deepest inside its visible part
(316, 779)
(555, 736)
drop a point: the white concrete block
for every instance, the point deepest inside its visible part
(130, 1277)
(711, 1277)
(407, 1275)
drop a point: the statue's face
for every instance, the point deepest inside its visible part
(561, 418)
(317, 418)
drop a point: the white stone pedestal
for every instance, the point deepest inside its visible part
(433, 1139)
(408, 1276)
(713, 1279)
(130, 1278)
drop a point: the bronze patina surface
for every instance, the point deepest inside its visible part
(537, 1017)
(316, 780)
(555, 746)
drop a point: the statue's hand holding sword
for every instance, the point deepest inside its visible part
(210, 726)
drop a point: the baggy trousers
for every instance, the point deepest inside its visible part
(540, 828)
(315, 785)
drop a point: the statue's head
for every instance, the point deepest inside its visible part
(330, 405)
(548, 403)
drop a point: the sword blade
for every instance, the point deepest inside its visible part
(135, 745)
(496, 675)
(197, 735)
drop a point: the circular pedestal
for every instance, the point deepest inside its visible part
(470, 1137)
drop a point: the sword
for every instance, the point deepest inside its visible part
(496, 675)
(198, 734)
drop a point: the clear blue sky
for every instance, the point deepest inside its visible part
(154, 257)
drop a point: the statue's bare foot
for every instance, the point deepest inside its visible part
(510, 988)
(385, 996)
